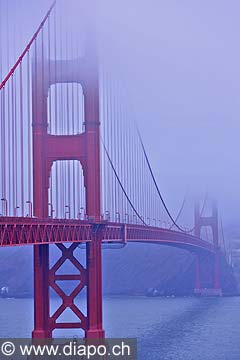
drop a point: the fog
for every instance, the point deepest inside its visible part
(180, 61)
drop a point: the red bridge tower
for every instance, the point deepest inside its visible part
(207, 267)
(85, 148)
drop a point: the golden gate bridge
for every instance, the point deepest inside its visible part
(74, 170)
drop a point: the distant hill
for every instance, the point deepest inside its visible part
(130, 270)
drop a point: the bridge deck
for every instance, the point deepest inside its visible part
(17, 231)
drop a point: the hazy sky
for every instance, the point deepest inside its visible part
(182, 62)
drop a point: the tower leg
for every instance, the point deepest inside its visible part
(41, 292)
(207, 268)
(217, 272)
(94, 293)
(207, 276)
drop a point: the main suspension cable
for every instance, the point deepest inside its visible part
(179, 212)
(174, 221)
(27, 48)
(156, 185)
(121, 185)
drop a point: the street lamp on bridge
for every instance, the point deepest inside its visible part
(117, 217)
(4, 200)
(107, 213)
(30, 207)
(51, 209)
(82, 211)
(67, 211)
(15, 211)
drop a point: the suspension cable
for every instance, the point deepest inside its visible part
(174, 221)
(180, 211)
(121, 185)
(156, 185)
(27, 48)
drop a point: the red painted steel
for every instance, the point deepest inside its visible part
(32, 231)
(213, 273)
(86, 149)
(68, 300)
(24, 231)
(27, 48)
(42, 231)
(40, 203)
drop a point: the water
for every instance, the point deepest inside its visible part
(166, 328)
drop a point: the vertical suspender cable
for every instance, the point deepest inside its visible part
(21, 140)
